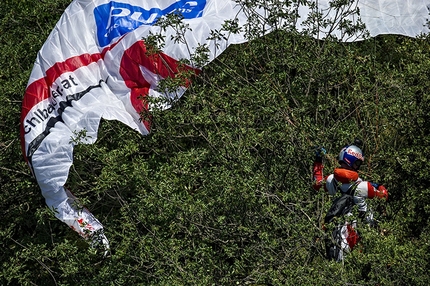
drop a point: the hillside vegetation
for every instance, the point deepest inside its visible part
(220, 192)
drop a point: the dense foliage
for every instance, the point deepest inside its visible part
(219, 193)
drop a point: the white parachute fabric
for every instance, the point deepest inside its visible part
(94, 65)
(400, 17)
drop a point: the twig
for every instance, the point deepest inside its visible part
(40, 262)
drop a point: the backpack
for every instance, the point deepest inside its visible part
(341, 205)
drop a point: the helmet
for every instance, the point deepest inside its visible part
(352, 156)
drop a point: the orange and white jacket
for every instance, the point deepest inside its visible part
(342, 179)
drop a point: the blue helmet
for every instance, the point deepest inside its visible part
(352, 156)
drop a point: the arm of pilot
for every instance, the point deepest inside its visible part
(317, 170)
(369, 190)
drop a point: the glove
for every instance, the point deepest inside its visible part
(382, 192)
(319, 153)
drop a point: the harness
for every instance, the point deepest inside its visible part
(350, 191)
(343, 204)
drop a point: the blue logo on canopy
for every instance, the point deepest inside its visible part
(115, 19)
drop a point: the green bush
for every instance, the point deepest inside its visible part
(219, 193)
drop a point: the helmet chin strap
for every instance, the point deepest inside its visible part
(357, 164)
(346, 166)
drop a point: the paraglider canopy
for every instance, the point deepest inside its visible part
(97, 63)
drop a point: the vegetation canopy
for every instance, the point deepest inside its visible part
(220, 192)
